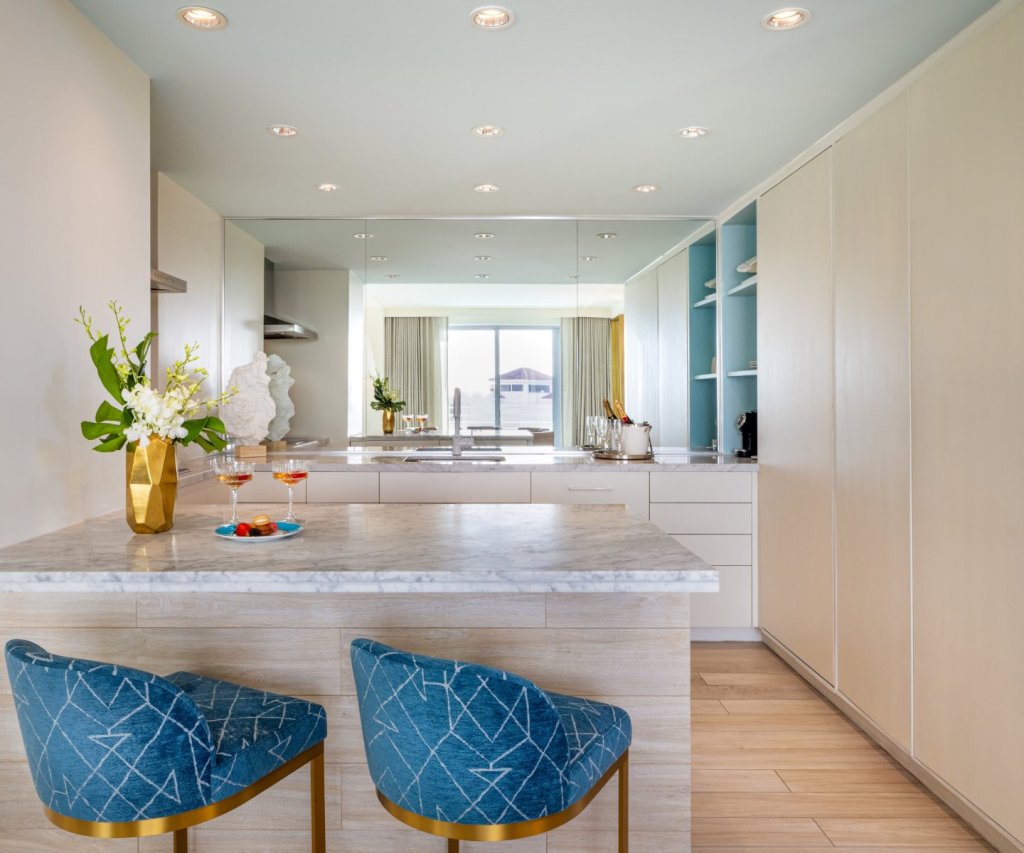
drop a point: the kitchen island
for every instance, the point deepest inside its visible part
(588, 600)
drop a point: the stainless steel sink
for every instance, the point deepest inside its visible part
(448, 457)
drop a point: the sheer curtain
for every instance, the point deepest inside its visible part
(586, 373)
(416, 362)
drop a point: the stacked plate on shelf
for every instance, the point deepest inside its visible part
(752, 364)
(749, 265)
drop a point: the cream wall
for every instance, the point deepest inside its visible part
(190, 245)
(74, 229)
(243, 298)
(319, 368)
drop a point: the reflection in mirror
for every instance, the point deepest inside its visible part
(525, 316)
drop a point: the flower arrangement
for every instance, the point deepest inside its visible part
(171, 415)
(385, 398)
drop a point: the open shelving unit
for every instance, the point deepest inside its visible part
(737, 244)
(703, 342)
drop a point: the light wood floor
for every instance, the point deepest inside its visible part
(776, 768)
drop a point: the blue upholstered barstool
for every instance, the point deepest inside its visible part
(472, 753)
(120, 753)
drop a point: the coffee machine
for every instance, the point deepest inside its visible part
(747, 425)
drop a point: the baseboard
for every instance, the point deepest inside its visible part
(725, 635)
(980, 822)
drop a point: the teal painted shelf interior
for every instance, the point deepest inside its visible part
(703, 327)
(737, 245)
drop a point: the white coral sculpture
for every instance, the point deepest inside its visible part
(280, 381)
(248, 414)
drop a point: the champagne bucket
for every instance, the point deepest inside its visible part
(635, 439)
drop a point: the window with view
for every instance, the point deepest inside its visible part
(507, 375)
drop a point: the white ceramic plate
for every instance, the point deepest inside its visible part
(284, 530)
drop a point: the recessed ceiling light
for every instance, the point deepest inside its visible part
(392, 275)
(694, 132)
(488, 130)
(588, 257)
(483, 235)
(283, 130)
(327, 188)
(645, 188)
(607, 235)
(572, 277)
(202, 18)
(486, 188)
(483, 258)
(481, 275)
(379, 258)
(786, 19)
(363, 236)
(492, 17)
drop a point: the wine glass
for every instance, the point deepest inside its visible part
(233, 473)
(291, 472)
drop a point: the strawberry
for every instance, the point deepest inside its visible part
(242, 529)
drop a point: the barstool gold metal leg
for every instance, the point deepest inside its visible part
(181, 841)
(317, 808)
(624, 804)
(453, 845)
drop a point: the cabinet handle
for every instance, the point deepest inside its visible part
(590, 489)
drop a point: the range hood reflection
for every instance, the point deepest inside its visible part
(277, 327)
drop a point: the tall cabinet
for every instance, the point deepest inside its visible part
(872, 338)
(795, 417)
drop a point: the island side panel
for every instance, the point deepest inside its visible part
(630, 649)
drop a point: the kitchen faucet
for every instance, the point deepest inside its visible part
(458, 442)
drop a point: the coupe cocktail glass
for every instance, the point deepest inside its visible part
(291, 472)
(233, 473)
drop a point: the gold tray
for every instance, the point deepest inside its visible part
(615, 456)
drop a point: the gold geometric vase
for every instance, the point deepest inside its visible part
(151, 486)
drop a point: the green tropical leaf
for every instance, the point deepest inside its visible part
(206, 445)
(103, 357)
(107, 412)
(142, 350)
(111, 444)
(93, 431)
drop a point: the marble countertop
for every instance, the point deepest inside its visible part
(516, 459)
(368, 548)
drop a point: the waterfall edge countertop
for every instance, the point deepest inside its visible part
(368, 548)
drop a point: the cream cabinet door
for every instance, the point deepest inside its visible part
(795, 421)
(873, 420)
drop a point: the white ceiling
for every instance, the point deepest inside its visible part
(590, 94)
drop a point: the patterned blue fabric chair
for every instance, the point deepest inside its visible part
(472, 753)
(119, 753)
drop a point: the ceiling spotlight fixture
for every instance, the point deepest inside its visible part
(327, 188)
(202, 18)
(486, 188)
(786, 19)
(694, 132)
(607, 235)
(283, 130)
(481, 275)
(363, 236)
(492, 17)
(483, 258)
(645, 188)
(483, 235)
(572, 277)
(392, 275)
(588, 257)
(488, 130)
(379, 258)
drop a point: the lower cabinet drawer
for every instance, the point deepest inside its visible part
(457, 487)
(263, 488)
(730, 607)
(701, 487)
(703, 518)
(720, 550)
(361, 487)
(629, 488)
